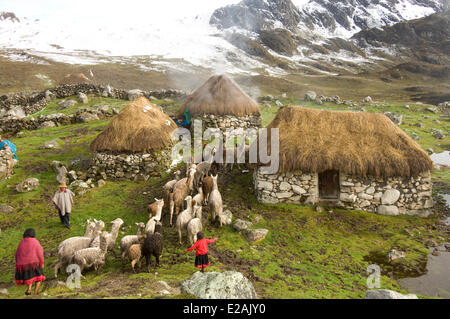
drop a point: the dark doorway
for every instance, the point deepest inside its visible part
(329, 184)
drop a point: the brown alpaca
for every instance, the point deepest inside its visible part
(207, 187)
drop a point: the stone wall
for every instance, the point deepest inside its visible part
(390, 196)
(6, 163)
(31, 102)
(129, 166)
(28, 103)
(229, 121)
(81, 116)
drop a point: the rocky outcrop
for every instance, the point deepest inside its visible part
(216, 285)
(256, 15)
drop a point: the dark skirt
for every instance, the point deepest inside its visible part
(201, 261)
(26, 277)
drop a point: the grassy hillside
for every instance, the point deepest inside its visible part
(306, 254)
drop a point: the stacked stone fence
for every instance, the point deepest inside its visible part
(32, 102)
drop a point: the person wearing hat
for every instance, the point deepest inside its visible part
(63, 201)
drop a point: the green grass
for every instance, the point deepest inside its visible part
(306, 254)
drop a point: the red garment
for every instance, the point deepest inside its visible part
(29, 254)
(201, 246)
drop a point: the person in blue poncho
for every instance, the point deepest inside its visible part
(11, 146)
(187, 120)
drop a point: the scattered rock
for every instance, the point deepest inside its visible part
(436, 252)
(6, 209)
(319, 209)
(4, 292)
(432, 109)
(437, 133)
(87, 117)
(49, 145)
(255, 235)
(367, 100)
(82, 98)
(226, 217)
(395, 254)
(216, 285)
(279, 103)
(66, 103)
(47, 124)
(28, 185)
(431, 243)
(387, 294)
(240, 224)
(101, 183)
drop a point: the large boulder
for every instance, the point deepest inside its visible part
(16, 112)
(49, 145)
(66, 103)
(240, 224)
(30, 184)
(387, 294)
(219, 285)
(82, 98)
(60, 170)
(226, 217)
(6, 209)
(390, 196)
(87, 117)
(254, 235)
(310, 96)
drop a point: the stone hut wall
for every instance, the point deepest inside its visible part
(389, 196)
(129, 166)
(228, 121)
(6, 163)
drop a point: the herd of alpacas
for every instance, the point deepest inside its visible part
(90, 251)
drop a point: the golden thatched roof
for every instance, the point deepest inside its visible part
(363, 144)
(220, 96)
(139, 127)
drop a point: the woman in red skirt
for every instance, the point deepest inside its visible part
(29, 262)
(201, 247)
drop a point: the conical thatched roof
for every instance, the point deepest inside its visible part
(220, 96)
(139, 127)
(363, 144)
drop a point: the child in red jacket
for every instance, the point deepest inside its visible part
(201, 247)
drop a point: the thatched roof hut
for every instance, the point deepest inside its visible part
(360, 144)
(139, 127)
(219, 96)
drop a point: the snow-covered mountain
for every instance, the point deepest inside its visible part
(277, 36)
